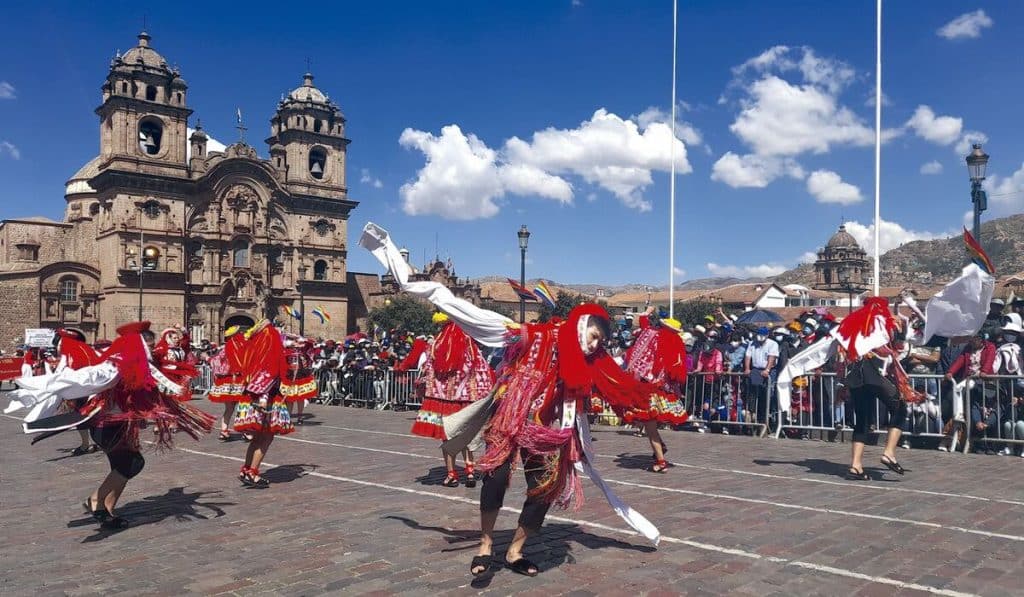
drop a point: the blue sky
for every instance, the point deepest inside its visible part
(468, 119)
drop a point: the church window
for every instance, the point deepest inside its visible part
(320, 270)
(316, 126)
(28, 252)
(322, 227)
(150, 136)
(124, 87)
(94, 209)
(317, 162)
(150, 93)
(68, 290)
(240, 253)
(152, 209)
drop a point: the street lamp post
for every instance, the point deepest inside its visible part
(148, 259)
(524, 239)
(302, 302)
(844, 279)
(977, 161)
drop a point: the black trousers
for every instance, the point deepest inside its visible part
(124, 460)
(492, 495)
(864, 399)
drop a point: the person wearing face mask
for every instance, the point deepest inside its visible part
(709, 365)
(1009, 361)
(758, 362)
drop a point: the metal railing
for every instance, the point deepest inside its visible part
(996, 404)
(724, 400)
(203, 381)
(383, 389)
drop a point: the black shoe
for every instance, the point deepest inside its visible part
(892, 465)
(98, 515)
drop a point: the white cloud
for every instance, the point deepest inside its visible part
(463, 178)
(932, 167)
(942, 130)
(828, 187)
(1005, 194)
(870, 102)
(763, 270)
(366, 178)
(753, 170)
(211, 144)
(808, 257)
(965, 26)
(679, 272)
(8, 148)
(7, 90)
(614, 153)
(891, 235)
(779, 118)
(684, 130)
(964, 146)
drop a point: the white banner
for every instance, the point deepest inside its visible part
(39, 337)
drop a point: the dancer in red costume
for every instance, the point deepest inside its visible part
(262, 410)
(75, 354)
(658, 356)
(549, 373)
(172, 359)
(453, 376)
(298, 383)
(228, 376)
(126, 392)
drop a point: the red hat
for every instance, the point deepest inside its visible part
(136, 327)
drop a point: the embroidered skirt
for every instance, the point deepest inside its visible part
(303, 388)
(249, 418)
(663, 408)
(226, 388)
(430, 420)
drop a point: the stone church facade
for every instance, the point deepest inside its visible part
(217, 237)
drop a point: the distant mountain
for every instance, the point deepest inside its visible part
(938, 261)
(919, 262)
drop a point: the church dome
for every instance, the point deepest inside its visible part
(307, 92)
(143, 55)
(842, 238)
(79, 183)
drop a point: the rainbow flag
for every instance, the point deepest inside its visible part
(523, 292)
(320, 312)
(290, 312)
(544, 294)
(978, 255)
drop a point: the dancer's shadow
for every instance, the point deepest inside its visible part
(827, 468)
(548, 549)
(434, 476)
(176, 504)
(308, 420)
(68, 454)
(286, 473)
(633, 462)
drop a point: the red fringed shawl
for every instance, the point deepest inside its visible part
(419, 346)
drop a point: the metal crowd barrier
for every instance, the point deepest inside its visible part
(815, 406)
(374, 388)
(202, 382)
(997, 402)
(724, 400)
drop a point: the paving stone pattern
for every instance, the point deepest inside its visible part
(356, 507)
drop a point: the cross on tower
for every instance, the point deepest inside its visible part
(241, 127)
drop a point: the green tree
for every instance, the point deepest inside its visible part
(404, 313)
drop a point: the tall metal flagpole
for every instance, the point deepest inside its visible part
(878, 139)
(672, 178)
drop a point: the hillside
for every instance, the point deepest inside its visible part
(940, 260)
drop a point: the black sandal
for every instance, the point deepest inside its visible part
(80, 451)
(450, 480)
(470, 479)
(480, 561)
(98, 515)
(855, 475)
(659, 466)
(225, 436)
(892, 465)
(524, 567)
